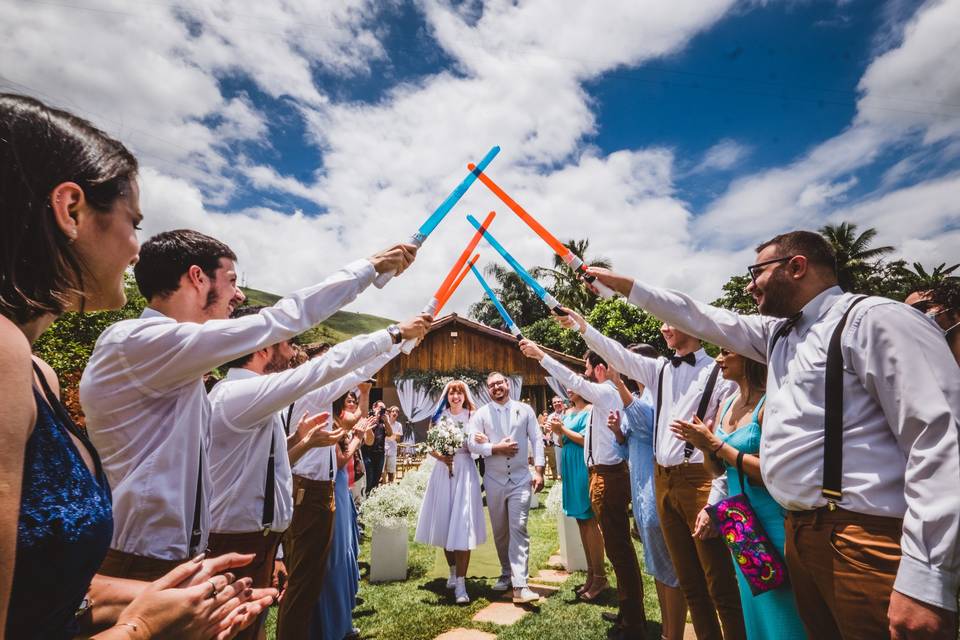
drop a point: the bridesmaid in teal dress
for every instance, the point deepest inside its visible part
(576, 492)
(772, 614)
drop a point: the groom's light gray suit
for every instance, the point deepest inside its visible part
(507, 479)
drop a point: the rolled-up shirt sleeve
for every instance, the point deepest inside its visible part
(905, 365)
(746, 335)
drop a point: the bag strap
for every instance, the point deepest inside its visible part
(833, 415)
(743, 487)
(656, 414)
(702, 407)
(590, 435)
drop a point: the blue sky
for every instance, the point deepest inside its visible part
(307, 134)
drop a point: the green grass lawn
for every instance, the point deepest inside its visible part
(421, 608)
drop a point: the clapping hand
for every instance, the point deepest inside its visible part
(696, 433)
(555, 424)
(613, 421)
(313, 432)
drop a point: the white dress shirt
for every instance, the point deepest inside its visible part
(148, 414)
(514, 419)
(320, 463)
(901, 418)
(246, 413)
(599, 442)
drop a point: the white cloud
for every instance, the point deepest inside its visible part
(722, 156)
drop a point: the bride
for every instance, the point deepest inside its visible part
(451, 516)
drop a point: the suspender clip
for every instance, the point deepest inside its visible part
(266, 531)
(832, 498)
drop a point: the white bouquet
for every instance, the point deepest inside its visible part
(445, 438)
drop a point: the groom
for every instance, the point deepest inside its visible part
(509, 431)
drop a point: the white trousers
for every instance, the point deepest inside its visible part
(509, 507)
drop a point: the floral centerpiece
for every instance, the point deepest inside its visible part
(445, 438)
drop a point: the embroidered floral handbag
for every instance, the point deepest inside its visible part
(753, 552)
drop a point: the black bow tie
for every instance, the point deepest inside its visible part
(690, 359)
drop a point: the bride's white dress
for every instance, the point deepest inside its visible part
(451, 515)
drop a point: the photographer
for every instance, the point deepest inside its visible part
(374, 453)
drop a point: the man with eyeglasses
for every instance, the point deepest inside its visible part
(511, 432)
(942, 305)
(873, 520)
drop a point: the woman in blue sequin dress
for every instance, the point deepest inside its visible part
(69, 203)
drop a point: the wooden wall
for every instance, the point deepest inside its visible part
(470, 349)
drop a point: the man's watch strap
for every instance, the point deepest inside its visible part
(395, 335)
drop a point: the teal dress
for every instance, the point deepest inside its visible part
(573, 469)
(772, 614)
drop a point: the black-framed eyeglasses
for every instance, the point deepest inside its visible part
(756, 269)
(924, 305)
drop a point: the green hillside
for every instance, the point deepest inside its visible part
(337, 328)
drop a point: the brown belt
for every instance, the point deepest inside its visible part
(825, 514)
(607, 468)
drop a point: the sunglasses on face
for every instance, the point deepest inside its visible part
(756, 269)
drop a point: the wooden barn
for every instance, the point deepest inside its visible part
(458, 343)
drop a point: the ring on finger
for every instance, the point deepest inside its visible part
(213, 586)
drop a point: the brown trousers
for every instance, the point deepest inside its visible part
(305, 550)
(119, 564)
(610, 499)
(704, 567)
(842, 567)
(260, 569)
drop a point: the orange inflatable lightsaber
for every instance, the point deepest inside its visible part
(435, 303)
(456, 283)
(568, 256)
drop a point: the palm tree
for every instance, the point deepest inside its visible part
(921, 280)
(518, 299)
(856, 259)
(567, 287)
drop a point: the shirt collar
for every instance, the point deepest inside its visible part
(240, 373)
(700, 354)
(152, 313)
(817, 308)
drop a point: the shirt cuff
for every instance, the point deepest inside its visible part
(718, 492)
(363, 270)
(383, 342)
(927, 584)
(639, 294)
(485, 449)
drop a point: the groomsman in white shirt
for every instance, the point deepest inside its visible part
(251, 483)
(604, 453)
(143, 396)
(873, 518)
(310, 535)
(510, 435)
(683, 385)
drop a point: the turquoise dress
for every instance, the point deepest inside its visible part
(573, 470)
(772, 614)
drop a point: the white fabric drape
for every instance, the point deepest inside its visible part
(416, 403)
(516, 384)
(556, 387)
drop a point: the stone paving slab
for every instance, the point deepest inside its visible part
(551, 576)
(504, 613)
(465, 634)
(555, 561)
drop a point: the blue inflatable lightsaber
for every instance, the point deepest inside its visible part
(507, 320)
(440, 212)
(538, 289)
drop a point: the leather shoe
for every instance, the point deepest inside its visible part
(610, 616)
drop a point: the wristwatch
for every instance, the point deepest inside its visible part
(395, 335)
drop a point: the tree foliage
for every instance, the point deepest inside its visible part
(735, 296)
(565, 284)
(856, 258)
(518, 299)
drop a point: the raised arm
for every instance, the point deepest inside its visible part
(330, 392)
(594, 392)
(907, 368)
(746, 335)
(165, 355)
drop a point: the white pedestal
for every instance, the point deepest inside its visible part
(571, 547)
(388, 554)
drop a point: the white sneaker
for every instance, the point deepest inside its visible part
(502, 584)
(524, 595)
(461, 592)
(452, 580)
